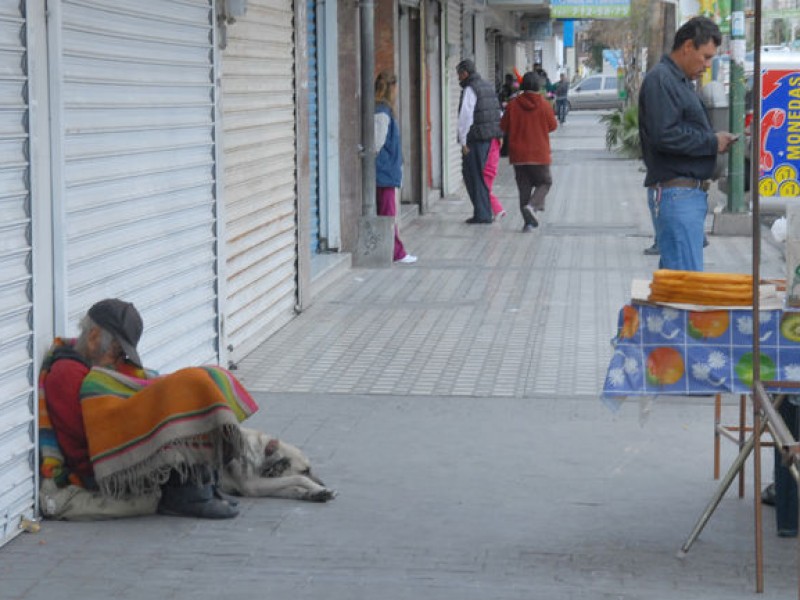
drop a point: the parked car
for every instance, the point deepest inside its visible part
(595, 92)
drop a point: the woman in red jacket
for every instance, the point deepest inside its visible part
(528, 121)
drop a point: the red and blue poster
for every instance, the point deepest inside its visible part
(779, 146)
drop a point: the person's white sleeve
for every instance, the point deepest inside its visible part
(381, 130)
(466, 115)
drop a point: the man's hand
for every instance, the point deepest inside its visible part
(465, 150)
(725, 140)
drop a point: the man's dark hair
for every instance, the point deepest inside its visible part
(465, 66)
(530, 82)
(700, 30)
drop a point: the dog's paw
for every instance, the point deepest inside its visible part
(322, 495)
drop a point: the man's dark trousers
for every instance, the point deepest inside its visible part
(473, 164)
(785, 485)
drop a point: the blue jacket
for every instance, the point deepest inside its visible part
(389, 161)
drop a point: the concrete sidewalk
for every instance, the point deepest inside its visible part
(454, 405)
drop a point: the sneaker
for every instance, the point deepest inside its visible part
(528, 228)
(652, 251)
(501, 215)
(408, 259)
(529, 216)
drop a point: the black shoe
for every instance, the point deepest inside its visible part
(768, 495)
(529, 216)
(476, 221)
(199, 501)
(705, 242)
(652, 251)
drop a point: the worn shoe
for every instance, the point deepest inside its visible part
(652, 251)
(501, 215)
(768, 495)
(408, 259)
(529, 216)
(528, 228)
(705, 242)
(199, 501)
(474, 221)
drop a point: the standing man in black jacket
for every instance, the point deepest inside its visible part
(479, 135)
(679, 144)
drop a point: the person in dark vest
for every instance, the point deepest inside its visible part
(479, 135)
(389, 158)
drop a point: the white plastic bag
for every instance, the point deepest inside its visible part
(779, 230)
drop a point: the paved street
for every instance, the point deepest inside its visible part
(454, 405)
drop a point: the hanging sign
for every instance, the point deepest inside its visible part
(779, 146)
(590, 9)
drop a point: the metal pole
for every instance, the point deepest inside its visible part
(367, 20)
(756, 133)
(736, 112)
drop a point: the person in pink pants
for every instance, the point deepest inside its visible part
(389, 158)
(489, 173)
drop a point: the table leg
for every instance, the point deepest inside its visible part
(730, 475)
(717, 425)
(742, 430)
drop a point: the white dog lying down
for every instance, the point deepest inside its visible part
(271, 467)
(267, 467)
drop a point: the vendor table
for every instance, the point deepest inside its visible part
(663, 350)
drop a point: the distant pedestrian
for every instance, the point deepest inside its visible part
(652, 250)
(389, 158)
(679, 144)
(508, 89)
(528, 120)
(479, 136)
(562, 102)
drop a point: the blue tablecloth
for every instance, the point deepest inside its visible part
(661, 350)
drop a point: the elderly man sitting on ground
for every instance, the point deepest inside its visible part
(118, 440)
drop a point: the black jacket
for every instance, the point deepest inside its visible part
(676, 133)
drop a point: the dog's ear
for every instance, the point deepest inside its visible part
(271, 447)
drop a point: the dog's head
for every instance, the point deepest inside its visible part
(281, 459)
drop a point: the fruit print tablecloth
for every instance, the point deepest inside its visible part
(661, 350)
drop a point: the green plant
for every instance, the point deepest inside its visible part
(622, 131)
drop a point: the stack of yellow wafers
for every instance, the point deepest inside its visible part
(695, 287)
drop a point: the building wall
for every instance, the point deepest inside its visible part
(349, 122)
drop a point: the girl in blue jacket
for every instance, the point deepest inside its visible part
(389, 158)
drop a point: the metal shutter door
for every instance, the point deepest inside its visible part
(259, 142)
(17, 414)
(453, 162)
(313, 131)
(136, 175)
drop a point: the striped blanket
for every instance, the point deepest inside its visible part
(140, 429)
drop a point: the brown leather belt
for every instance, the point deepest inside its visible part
(684, 182)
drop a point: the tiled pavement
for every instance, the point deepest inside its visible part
(489, 311)
(454, 405)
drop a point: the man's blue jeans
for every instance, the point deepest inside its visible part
(680, 227)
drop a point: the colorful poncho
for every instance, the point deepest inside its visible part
(139, 429)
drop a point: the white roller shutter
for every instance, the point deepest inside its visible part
(453, 160)
(133, 111)
(259, 146)
(17, 413)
